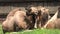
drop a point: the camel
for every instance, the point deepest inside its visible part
(54, 23)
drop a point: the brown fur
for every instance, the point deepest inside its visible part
(11, 13)
(18, 17)
(55, 22)
(54, 25)
(8, 24)
(31, 14)
(42, 17)
(21, 20)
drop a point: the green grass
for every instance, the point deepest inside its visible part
(35, 31)
(1, 32)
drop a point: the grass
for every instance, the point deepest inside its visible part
(1, 32)
(34, 31)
